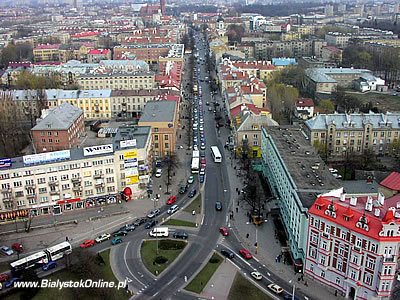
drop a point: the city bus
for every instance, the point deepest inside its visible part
(216, 154)
(195, 165)
(58, 251)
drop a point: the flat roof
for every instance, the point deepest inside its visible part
(308, 171)
(158, 111)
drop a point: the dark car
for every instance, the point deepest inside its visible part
(49, 266)
(10, 282)
(192, 193)
(17, 247)
(183, 188)
(218, 205)
(139, 222)
(228, 253)
(152, 223)
(129, 228)
(120, 233)
(290, 297)
(203, 153)
(180, 235)
(201, 178)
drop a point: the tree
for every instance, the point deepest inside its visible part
(29, 275)
(29, 81)
(8, 54)
(345, 102)
(326, 107)
(172, 162)
(235, 33)
(321, 148)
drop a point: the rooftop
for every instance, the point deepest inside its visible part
(392, 182)
(60, 118)
(158, 111)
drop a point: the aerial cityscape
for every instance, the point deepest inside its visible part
(164, 149)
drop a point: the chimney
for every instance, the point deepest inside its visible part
(343, 197)
(381, 198)
(377, 212)
(251, 87)
(353, 201)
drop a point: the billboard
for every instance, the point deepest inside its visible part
(100, 149)
(131, 163)
(5, 162)
(131, 172)
(132, 179)
(128, 143)
(46, 157)
(130, 154)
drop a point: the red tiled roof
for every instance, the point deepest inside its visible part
(19, 64)
(247, 89)
(237, 109)
(47, 63)
(86, 33)
(331, 48)
(392, 182)
(98, 51)
(304, 102)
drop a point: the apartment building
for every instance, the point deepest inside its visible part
(95, 104)
(296, 175)
(54, 183)
(344, 133)
(69, 52)
(59, 130)
(22, 104)
(46, 52)
(96, 55)
(117, 81)
(292, 48)
(353, 244)
(150, 53)
(162, 116)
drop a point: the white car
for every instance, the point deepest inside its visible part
(275, 288)
(158, 173)
(256, 275)
(103, 237)
(6, 251)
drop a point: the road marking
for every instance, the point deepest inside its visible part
(256, 259)
(130, 272)
(202, 220)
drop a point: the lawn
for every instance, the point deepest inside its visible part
(195, 205)
(4, 267)
(201, 279)
(175, 222)
(244, 289)
(66, 293)
(148, 253)
(384, 102)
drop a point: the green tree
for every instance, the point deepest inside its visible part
(29, 275)
(321, 149)
(8, 54)
(364, 60)
(29, 81)
(326, 107)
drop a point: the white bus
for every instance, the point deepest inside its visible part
(195, 164)
(32, 261)
(216, 154)
(58, 251)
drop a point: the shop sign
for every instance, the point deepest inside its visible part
(95, 150)
(130, 154)
(46, 157)
(5, 162)
(128, 143)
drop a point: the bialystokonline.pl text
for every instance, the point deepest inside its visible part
(58, 284)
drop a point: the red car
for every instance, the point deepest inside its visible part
(224, 231)
(17, 247)
(203, 161)
(87, 243)
(171, 200)
(4, 277)
(246, 254)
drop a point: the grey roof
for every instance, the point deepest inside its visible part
(299, 158)
(24, 95)
(359, 187)
(354, 121)
(60, 118)
(139, 133)
(76, 94)
(158, 111)
(323, 74)
(250, 119)
(116, 74)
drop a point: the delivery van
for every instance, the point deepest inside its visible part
(159, 232)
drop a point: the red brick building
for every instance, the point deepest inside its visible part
(59, 130)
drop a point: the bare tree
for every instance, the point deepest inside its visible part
(172, 162)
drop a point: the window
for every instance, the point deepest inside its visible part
(337, 280)
(355, 259)
(166, 145)
(341, 250)
(353, 274)
(324, 244)
(368, 279)
(42, 190)
(313, 252)
(387, 270)
(312, 268)
(370, 263)
(156, 137)
(339, 265)
(166, 137)
(314, 238)
(323, 260)
(343, 235)
(323, 274)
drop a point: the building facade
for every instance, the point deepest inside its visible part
(353, 244)
(59, 130)
(117, 81)
(46, 53)
(69, 180)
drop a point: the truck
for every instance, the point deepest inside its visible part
(159, 232)
(196, 153)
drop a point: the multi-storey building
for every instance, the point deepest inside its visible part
(57, 182)
(94, 103)
(150, 53)
(162, 116)
(117, 81)
(59, 130)
(46, 52)
(296, 175)
(96, 55)
(353, 133)
(292, 48)
(353, 244)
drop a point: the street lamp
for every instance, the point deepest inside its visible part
(294, 287)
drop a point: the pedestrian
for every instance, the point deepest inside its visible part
(237, 209)
(66, 239)
(238, 193)
(237, 189)
(247, 236)
(305, 283)
(335, 293)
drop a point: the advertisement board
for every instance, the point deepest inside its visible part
(46, 157)
(5, 162)
(132, 179)
(131, 172)
(100, 149)
(128, 143)
(130, 154)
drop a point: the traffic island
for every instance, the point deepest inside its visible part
(245, 289)
(200, 281)
(157, 255)
(175, 222)
(195, 205)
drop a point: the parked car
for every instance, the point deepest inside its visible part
(171, 200)
(159, 164)
(17, 247)
(173, 209)
(183, 188)
(150, 224)
(202, 153)
(11, 281)
(49, 266)
(129, 227)
(192, 193)
(119, 233)
(290, 297)
(180, 235)
(103, 237)
(116, 241)
(190, 180)
(256, 275)
(153, 213)
(139, 222)
(4, 277)
(6, 251)
(228, 253)
(201, 178)
(87, 243)
(224, 231)
(158, 173)
(218, 206)
(246, 254)
(275, 288)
